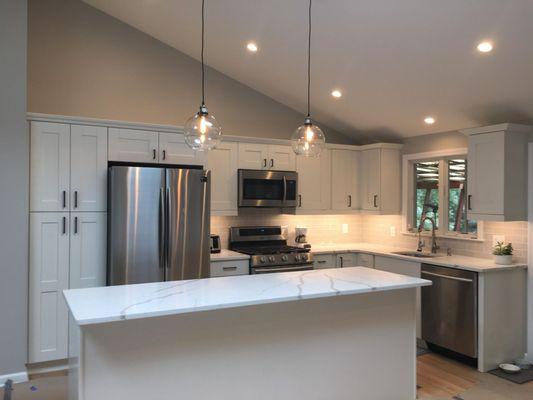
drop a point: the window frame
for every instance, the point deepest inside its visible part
(408, 193)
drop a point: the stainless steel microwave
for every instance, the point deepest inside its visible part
(259, 188)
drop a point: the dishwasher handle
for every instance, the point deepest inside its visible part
(453, 278)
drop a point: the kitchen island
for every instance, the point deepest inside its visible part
(325, 334)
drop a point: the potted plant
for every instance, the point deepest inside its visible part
(503, 254)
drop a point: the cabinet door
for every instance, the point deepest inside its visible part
(229, 268)
(371, 179)
(88, 168)
(346, 260)
(281, 158)
(314, 193)
(343, 179)
(174, 150)
(49, 258)
(49, 166)
(365, 260)
(88, 250)
(133, 145)
(323, 261)
(253, 156)
(222, 161)
(486, 171)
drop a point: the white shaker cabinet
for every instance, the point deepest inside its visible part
(49, 166)
(229, 268)
(88, 168)
(345, 260)
(314, 182)
(267, 157)
(344, 174)
(381, 180)
(324, 260)
(174, 150)
(497, 172)
(88, 253)
(48, 276)
(222, 161)
(365, 260)
(133, 145)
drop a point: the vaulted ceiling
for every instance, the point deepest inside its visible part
(395, 62)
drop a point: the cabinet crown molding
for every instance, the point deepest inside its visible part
(508, 127)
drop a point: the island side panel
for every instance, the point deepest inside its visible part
(344, 347)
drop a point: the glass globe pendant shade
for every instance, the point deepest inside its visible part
(202, 131)
(308, 139)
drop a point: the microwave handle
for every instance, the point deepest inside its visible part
(284, 189)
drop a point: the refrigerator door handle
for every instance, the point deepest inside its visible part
(162, 228)
(168, 201)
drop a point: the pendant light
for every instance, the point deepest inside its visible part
(308, 139)
(202, 131)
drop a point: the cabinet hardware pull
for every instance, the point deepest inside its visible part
(349, 200)
(64, 199)
(469, 202)
(75, 225)
(264, 162)
(271, 163)
(321, 261)
(453, 278)
(342, 261)
(375, 201)
(154, 154)
(75, 199)
(229, 268)
(164, 154)
(299, 200)
(64, 225)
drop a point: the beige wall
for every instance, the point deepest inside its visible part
(433, 142)
(82, 62)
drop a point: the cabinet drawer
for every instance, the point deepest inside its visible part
(346, 260)
(365, 260)
(229, 268)
(322, 261)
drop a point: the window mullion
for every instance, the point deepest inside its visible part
(443, 195)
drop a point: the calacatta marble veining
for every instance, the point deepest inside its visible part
(115, 303)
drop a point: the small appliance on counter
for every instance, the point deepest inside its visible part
(301, 237)
(214, 244)
(267, 246)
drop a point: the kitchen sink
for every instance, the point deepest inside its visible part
(419, 254)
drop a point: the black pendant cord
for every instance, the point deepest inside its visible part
(202, 55)
(309, 65)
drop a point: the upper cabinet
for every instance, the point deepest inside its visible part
(263, 156)
(381, 179)
(133, 145)
(49, 166)
(174, 150)
(68, 167)
(344, 179)
(497, 172)
(222, 161)
(314, 182)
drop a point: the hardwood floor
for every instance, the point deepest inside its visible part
(438, 379)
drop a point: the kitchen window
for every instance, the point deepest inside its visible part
(438, 192)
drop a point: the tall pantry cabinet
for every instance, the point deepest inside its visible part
(68, 175)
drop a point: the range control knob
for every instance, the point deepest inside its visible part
(263, 260)
(271, 258)
(297, 257)
(304, 257)
(284, 258)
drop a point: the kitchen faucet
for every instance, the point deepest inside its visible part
(434, 246)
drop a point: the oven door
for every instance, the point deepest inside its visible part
(281, 268)
(267, 188)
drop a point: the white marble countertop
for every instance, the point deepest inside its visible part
(228, 255)
(453, 261)
(116, 303)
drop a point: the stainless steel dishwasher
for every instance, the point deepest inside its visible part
(450, 309)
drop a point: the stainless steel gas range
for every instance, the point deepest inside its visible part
(268, 249)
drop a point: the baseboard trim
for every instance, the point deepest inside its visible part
(17, 377)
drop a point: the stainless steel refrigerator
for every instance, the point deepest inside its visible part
(158, 224)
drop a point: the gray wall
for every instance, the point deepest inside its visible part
(433, 142)
(13, 187)
(82, 62)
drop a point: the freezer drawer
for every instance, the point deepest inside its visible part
(450, 309)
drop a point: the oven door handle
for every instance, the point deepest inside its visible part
(303, 267)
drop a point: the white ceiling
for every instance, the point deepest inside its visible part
(396, 61)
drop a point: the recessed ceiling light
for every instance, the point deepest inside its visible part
(485, 47)
(429, 120)
(251, 46)
(336, 93)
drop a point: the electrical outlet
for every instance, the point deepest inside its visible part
(344, 228)
(392, 230)
(498, 238)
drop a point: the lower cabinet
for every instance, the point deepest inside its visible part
(67, 250)
(229, 268)
(365, 260)
(408, 268)
(346, 260)
(323, 261)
